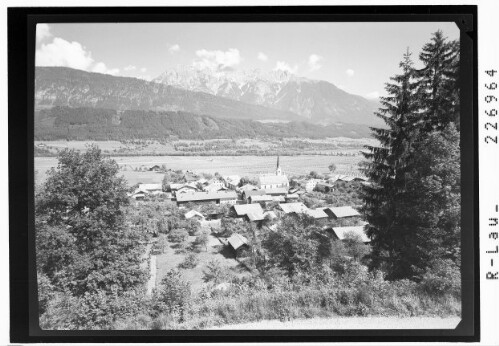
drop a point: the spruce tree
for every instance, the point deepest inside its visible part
(388, 165)
(438, 82)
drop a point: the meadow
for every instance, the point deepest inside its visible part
(132, 167)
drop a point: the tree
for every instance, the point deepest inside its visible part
(439, 82)
(332, 168)
(83, 242)
(388, 165)
(202, 240)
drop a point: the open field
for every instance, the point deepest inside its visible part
(225, 165)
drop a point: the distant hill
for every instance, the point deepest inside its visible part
(61, 86)
(316, 101)
(86, 123)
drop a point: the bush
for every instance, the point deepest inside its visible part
(178, 235)
(191, 261)
(443, 277)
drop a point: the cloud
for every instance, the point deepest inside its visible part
(143, 70)
(69, 54)
(173, 48)
(63, 53)
(130, 68)
(262, 56)
(42, 32)
(284, 66)
(314, 62)
(100, 67)
(373, 95)
(217, 59)
(350, 72)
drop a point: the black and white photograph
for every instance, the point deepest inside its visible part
(247, 175)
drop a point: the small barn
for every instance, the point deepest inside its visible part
(341, 212)
(194, 214)
(237, 243)
(340, 233)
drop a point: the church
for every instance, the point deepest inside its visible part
(272, 181)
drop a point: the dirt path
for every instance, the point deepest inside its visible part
(354, 323)
(151, 284)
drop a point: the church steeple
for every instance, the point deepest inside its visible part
(278, 169)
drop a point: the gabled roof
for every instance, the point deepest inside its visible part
(192, 213)
(317, 213)
(244, 209)
(233, 179)
(150, 187)
(273, 179)
(249, 193)
(297, 207)
(276, 191)
(204, 196)
(175, 186)
(248, 187)
(340, 212)
(358, 230)
(264, 198)
(236, 241)
(255, 216)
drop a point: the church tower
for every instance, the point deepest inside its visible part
(278, 170)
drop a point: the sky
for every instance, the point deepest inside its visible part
(357, 57)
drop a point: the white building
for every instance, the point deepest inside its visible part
(272, 181)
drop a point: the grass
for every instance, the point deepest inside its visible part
(172, 258)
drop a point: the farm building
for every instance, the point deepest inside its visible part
(189, 177)
(324, 187)
(217, 197)
(150, 187)
(292, 197)
(249, 193)
(232, 181)
(155, 168)
(186, 189)
(263, 200)
(194, 214)
(252, 212)
(237, 242)
(341, 212)
(248, 187)
(289, 208)
(340, 233)
(174, 187)
(277, 191)
(317, 214)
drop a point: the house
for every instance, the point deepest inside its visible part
(174, 187)
(294, 190)
(263, 200)
(186, 189)
(292, 197)
(253, 212)
(318, 214)
(189, 177)
(279, 199)
(215, 183)
(340, 233)
(341, 212)
(311, 184)
(324, 187)
(214, 187)
(217, 197)
(248, 187)
(155, 168)
(249, 193)
(150, 187)
(277, 191)
(232, 181)
(237, 242)
(194, 214)
(272, 181)
(296, 208)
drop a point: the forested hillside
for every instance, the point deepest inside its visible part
(108, 124)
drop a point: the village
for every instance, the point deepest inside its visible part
(227, 215)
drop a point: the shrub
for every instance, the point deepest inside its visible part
(443, 277)
(178, 235)
(174, 293)
(191, 261)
